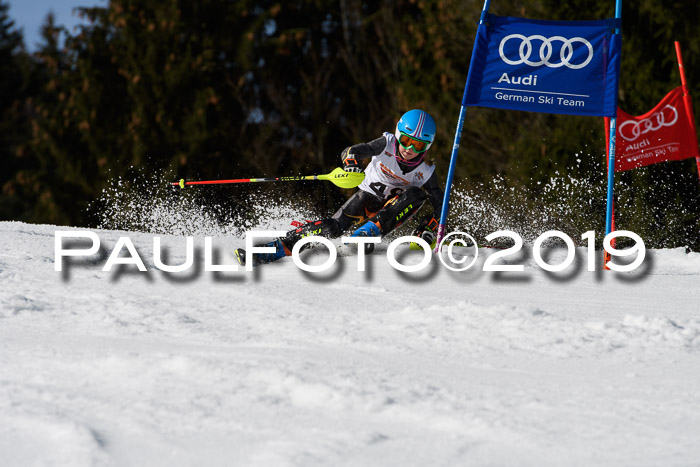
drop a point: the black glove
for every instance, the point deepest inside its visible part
(426, 229)
(428, 236)
(349, 162)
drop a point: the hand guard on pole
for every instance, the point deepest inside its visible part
(349, 162)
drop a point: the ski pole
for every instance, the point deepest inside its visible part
(338, 177)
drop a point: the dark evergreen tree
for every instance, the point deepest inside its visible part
(16, 179)
(220, 88)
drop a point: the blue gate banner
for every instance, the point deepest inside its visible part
(560, 67)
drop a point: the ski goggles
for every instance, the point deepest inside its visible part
(409, 142)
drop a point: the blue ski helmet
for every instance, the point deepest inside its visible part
(418, 125)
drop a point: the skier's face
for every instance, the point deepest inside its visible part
(407, 154)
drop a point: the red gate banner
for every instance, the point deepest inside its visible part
(665, 133)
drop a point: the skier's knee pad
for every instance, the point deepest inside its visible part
(400, 209)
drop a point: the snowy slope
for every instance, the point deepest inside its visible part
(285, 368)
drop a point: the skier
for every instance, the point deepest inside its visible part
(389, 194)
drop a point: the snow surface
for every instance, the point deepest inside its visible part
(279, 367)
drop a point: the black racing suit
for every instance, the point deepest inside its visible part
(387, 213)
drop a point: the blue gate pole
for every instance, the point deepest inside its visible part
(442, 227)
(611, 151)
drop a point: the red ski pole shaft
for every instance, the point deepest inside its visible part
(182, 183)
(338, 177)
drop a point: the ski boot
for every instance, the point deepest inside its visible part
(264, 258)
(369, 229)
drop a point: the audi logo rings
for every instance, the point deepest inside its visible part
(632, 129)
(566, 53)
